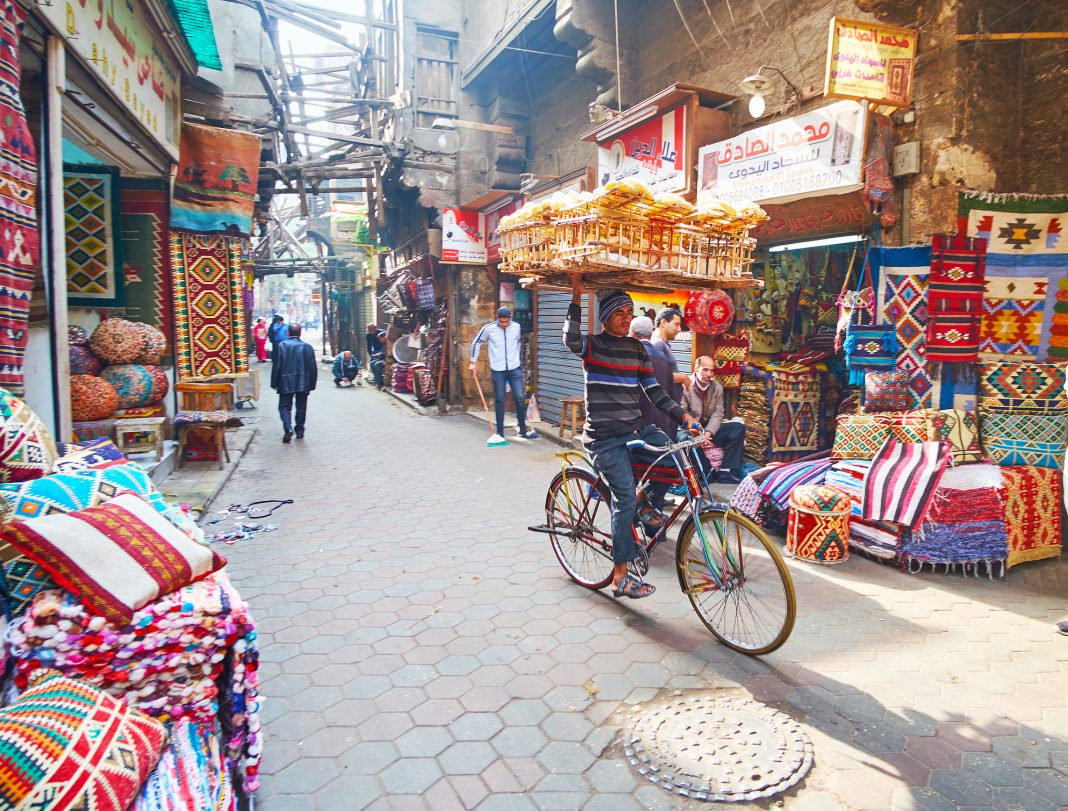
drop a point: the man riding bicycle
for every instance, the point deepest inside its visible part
(618, 369)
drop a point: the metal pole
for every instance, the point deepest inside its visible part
(52, 185)
(322, 306)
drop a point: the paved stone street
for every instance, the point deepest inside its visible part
(421, 649)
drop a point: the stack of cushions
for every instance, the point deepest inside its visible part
(27, 450)
(878, 539)
(754, 406)
(192, 774)
(137, 386)
(966, 523)
(91, 398)
(67, 746)
(861, 436)
(96, 454)
(189, 655)
(1023, 413)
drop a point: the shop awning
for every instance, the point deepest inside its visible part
(195, 18)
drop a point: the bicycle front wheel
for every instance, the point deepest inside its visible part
(578, 510)
(736, 581)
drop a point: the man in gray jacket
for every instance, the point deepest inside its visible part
(704, 399)
(502, 338)
(293, 376)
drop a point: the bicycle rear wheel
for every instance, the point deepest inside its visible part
(746, 599)
(578, 511)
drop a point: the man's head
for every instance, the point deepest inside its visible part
(504, 317)
(641, 327)
(294, 330)
(277, 319)
(372, 329)
(704, 368)
(346, 355)
(615, 310)
(669, 323)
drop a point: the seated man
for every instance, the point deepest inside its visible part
(376, 349)
(618, 369)
(704, 399)
(346, 367)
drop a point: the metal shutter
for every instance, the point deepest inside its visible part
(559, 369)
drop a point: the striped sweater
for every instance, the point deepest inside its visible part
(617, 370)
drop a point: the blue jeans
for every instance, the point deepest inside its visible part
(285, 410)
(612, 459)
(513, 378)
(378, 368)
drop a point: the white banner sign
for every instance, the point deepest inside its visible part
(119, 44)
(821, 152)
(651, 152)
(463, 237)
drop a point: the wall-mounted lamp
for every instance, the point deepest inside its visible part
(758, 86)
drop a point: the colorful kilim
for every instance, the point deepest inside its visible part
(961, 429)
(215, 190)
(795, 412)
(886, 391)
(1039, 440)
(817, 529)
(1027, 256)
(23, 580)
(910, 426)
(209, 311)
(1032, 513)
(953, 337)
(192, 774)
(903, 303)
(67, 746)
(859, 436)
(144, 209)
(1032, 387)
(902, 480)
(958, 268)
(27, 450)
(93, 262)
(783, 480)
(18, 204)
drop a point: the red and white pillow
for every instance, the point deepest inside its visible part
(117, 557)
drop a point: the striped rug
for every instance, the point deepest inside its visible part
(902, 480)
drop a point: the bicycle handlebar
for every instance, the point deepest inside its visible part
(671, 447)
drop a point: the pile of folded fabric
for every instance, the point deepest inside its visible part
(192, 774)
(754, 406)
(877, 539)
(966, 523)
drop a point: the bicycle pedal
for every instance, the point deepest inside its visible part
(640, 565)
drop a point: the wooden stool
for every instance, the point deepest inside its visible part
(218, 435)
(573, 408)
(205, 397)
(143, 425)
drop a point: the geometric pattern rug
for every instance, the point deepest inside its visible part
(903, 302)
(1027, 258)
(93, 278)
(209, 310)
(1032, 513)
(143, 206)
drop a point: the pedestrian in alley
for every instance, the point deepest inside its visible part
(642, 329)
(293, 376)
(502, 337)
(376, 354)
(276, 333)
(618, 370)
(669, 324)
(346, 366)
(704, 399)
(259, 334)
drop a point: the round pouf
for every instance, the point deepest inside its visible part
(135, 385)
(155, 344)
(817, 529)
(160, 384)
(118, 341)
(76, 336)
(91, 398)
(710, 312)
(26, 447)
(83, 361)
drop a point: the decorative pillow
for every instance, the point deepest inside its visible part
(134, 383)
(27, 450)
(96, 454)
(91, 398)
(116, 557)
(118, 341)
(83, 361)
(886, 391)
(911, 426)
(1034, 387)
(952, 337)
(66, 745)
(860, 436)
(194, 417)
(1031, 440)
(961, 428)
(155, 344)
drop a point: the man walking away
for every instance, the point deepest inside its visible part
(617, 370)
(346, 367)
(502, 337)
(276, 333)
(293, 376)
(704, 399)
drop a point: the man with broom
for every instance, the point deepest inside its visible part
(502, 338)
(618, 370)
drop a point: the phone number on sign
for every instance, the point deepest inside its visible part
(785, 186)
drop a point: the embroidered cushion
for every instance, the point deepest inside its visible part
(886, 391)
(860, 436)
(961, 428)
(83, 361)
(910, 426)
(66, 746)
(155, 344)
(91, 398)
(96, 454)
(1035, 387)
(117, 557)
(133, 383)
(76, 336)
(117, 340)
(27, 450)
(1032, 440)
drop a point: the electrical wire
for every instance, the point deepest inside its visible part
(689, 31)
(619, 70)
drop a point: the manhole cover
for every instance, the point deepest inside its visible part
(719, 748)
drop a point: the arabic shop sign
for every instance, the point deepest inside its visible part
(871, 61)
(117, 42)
(651, 152)
(816, 153)
(463, 237)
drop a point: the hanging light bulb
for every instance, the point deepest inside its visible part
(756, 106)
(442, 141)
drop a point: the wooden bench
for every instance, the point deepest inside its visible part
(205, 397)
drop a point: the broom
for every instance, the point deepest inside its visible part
(491, 442)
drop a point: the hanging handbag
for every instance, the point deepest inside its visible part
(869, 347)
(849, 301)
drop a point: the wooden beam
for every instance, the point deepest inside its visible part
(1012, 37)
(338, 190)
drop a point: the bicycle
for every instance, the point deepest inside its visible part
(734, 577)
